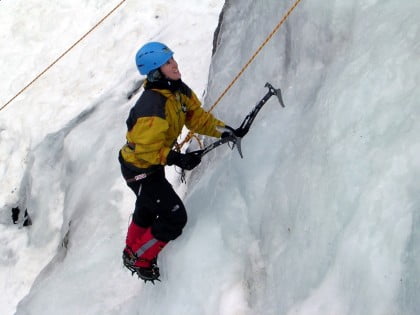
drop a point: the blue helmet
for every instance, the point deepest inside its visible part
(151, 56)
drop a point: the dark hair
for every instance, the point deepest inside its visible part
(154, 75)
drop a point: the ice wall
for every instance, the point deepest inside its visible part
(325, 202)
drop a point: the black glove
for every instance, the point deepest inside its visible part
(239, 132)
(185, 161)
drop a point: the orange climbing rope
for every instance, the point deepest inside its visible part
(267, 39)
(62, 55)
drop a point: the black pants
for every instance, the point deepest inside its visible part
(157, 205)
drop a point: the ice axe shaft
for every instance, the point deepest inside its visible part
(235, 141)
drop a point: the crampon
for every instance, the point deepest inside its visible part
(145, 273)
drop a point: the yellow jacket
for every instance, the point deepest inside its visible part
(156, 121)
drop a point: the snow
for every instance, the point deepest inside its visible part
(321, 216)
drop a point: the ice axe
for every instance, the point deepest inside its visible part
(246, 123)
(249, 119)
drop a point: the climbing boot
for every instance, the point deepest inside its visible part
(141, 258)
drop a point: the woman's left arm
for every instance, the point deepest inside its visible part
(200, 121)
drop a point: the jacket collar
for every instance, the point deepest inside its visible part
(163, 84)
(170, 85)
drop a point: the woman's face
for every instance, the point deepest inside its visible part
(170, 70)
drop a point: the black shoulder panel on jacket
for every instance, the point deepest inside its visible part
(150, 104)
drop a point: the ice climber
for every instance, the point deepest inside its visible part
(154, 124)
